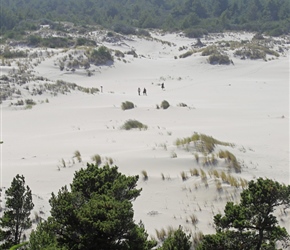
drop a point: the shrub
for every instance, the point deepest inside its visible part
(219, 59)
(210, 50)
(196, 33)
(186, 54)
(131, 124)
(100, 56)
(127, 105)
(165, 104)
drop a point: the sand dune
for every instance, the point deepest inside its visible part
(245, 103)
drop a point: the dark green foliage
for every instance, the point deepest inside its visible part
(15, 219)
(165, 104)
(96, 213)
(124, 16)
(100, 56)
(131, 124)
(251, 225)
(177, 240)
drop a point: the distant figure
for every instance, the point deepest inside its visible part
(101, 89)
(162, 85)
(139, 90)
(144, 91)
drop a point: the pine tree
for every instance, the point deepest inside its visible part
(15, 219)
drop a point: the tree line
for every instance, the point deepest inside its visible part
(272, 16)
(96, 212)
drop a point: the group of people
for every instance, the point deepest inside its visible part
(145, 91)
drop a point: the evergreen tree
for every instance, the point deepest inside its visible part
(251, 224)
(96, 213)
(178, 240)
(15, 219)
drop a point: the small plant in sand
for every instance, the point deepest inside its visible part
(197, 238)
(184, 176)
(145, 175)
(63, 164)
(194, 172)
(78, 156)
(127, 105)
(161, 234)
(164, 104)
(109, 160)
(219, 187)
(231, 159)
(196, 156)
(202, 143)
(131, 124)
(203, 175)
(97, 159)
(173, 154)
(182, 105)
(193, 219)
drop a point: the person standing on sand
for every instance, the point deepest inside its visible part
(139, 90)
(144, 91)
(162, 86)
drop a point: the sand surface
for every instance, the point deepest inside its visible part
(246, 103)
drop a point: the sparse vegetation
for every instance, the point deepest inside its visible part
(78, 156)
(145, 175)
(97, 159)
(133, 124)
(127, 105)
(164, 104)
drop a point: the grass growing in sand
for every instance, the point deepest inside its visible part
(127, 105)
(131, 124)
(201, 142)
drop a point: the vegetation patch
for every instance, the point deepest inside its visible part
(133, 124)
(127, 105)
(165, 104)
(201, 142)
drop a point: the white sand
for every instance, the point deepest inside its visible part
(242, 103)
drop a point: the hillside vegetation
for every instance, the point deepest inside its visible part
(196, 17)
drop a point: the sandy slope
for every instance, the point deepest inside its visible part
(246, 103)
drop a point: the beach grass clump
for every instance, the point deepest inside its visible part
(161, 234)
(186, 54)
(219, 59)
(209, 50)
(77, 155)
(127, 105)
(184, 176)
(164, 104)
(255, 51)
(231, 159)
(97, 159)
(145, 175)
(134, 124)
(203, 143)
(194, 219)
(194, 172)
(181, 104)
(173, 154)
(219, 187)
(203, 175)
(196, 156)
